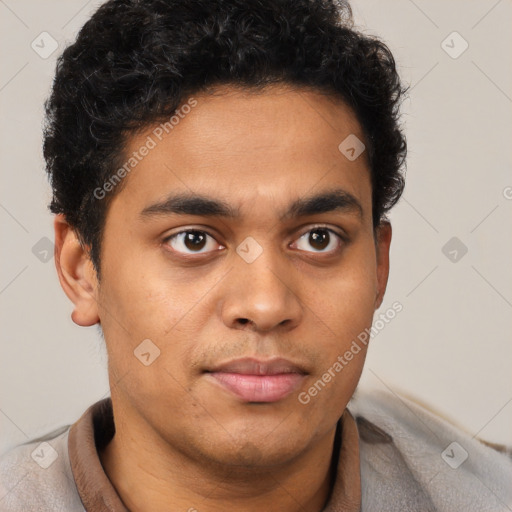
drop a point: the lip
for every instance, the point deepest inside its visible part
(256, 380)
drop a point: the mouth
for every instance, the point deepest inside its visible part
(258, 381)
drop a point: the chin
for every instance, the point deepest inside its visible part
(260, 451)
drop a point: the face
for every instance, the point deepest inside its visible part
(242, 247)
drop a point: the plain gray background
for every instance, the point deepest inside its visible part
(450, 347)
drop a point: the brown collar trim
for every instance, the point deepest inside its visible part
(346, 492)
(94, 487)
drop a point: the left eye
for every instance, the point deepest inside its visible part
(320, 239)
(192, 242)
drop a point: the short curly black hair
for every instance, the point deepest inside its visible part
(135, 61)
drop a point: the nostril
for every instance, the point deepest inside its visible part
(243, 320)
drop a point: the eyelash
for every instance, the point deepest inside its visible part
(342, 239)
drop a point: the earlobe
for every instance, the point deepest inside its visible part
(76, 273)
(383, 243)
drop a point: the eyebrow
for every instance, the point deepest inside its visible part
(198, 205)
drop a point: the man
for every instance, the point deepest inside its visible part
(221, 173)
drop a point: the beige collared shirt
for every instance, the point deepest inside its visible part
(390, 455)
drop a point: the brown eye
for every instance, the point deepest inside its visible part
(318, 240)
(192, 241)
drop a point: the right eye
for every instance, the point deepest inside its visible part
(192, 241)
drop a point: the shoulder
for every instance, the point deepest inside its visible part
(410, 454)
(37, 476)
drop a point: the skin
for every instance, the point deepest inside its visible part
(181, 438)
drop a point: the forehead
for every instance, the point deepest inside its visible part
(243, 146)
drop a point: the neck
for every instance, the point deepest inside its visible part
(148, 473)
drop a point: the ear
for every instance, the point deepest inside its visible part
(383, 243)
(76, 273)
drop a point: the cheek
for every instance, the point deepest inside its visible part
(344, 311)
(145, 295)
(352, 303)
(346, 302)
(147, 351)
(157, 303)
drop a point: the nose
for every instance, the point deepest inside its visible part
(261, 295)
